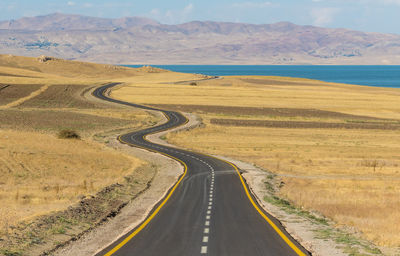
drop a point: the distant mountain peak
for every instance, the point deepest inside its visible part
(141, 40)
(62, 21)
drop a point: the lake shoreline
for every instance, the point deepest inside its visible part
(366, 75)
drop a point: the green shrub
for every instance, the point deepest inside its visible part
(68, 134)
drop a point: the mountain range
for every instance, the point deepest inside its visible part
(136, 40)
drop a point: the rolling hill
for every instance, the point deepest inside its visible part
(135, 40)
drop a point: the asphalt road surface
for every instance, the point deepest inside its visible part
(209, 211)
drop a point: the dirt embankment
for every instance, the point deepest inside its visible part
(42, 234)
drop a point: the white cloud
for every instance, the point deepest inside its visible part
(155, 12)
(188, 9)
(87, 5)
(395, 2)
(11, 7)
(173, 16)
(251, 5)
(323, 16)
(70, 3)
(369, 2)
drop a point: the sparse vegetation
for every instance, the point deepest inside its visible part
(13, 92)
(68, 134)
(348, 175)
(42, 176)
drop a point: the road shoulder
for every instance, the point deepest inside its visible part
(168, 172)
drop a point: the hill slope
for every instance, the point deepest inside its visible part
(142, 40)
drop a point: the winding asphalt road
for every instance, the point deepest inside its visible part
(209, 211)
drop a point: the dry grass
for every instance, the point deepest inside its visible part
(370, 205)
(21, 100)
(344, 174)
(40, 173)
(268, 112)
(59, 67)
(12, 92)
(62, 96)
(302, 124)
(355, 100)
(51, 121)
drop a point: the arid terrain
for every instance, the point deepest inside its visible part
(135, 40)
(331, 147)
(55, 188)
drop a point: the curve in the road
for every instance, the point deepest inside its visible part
(209, 211)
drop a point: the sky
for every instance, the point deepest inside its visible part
(364, 15)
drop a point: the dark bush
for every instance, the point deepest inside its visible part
(193, 83)
(68, 134)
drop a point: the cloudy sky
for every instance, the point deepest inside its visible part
(365, 15)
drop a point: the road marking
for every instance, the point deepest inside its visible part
(208, 217)
(203, 250)
(210, 203)
(205, 239)
(144, 224)
(270, 222)
(206, 230)
(208, 212)
(277, 229)
(210, 199)
(209, 207)
(207, 223)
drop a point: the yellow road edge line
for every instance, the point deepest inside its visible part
(149, 218)
(270, 222)
(254, 204)
(144, 224)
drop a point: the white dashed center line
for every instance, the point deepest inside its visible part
(204, 247)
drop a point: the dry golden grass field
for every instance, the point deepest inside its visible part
(335, 147)
(41, 174)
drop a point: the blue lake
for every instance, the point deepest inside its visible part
(381, 76)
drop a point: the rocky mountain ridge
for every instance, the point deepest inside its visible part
(135, 40)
